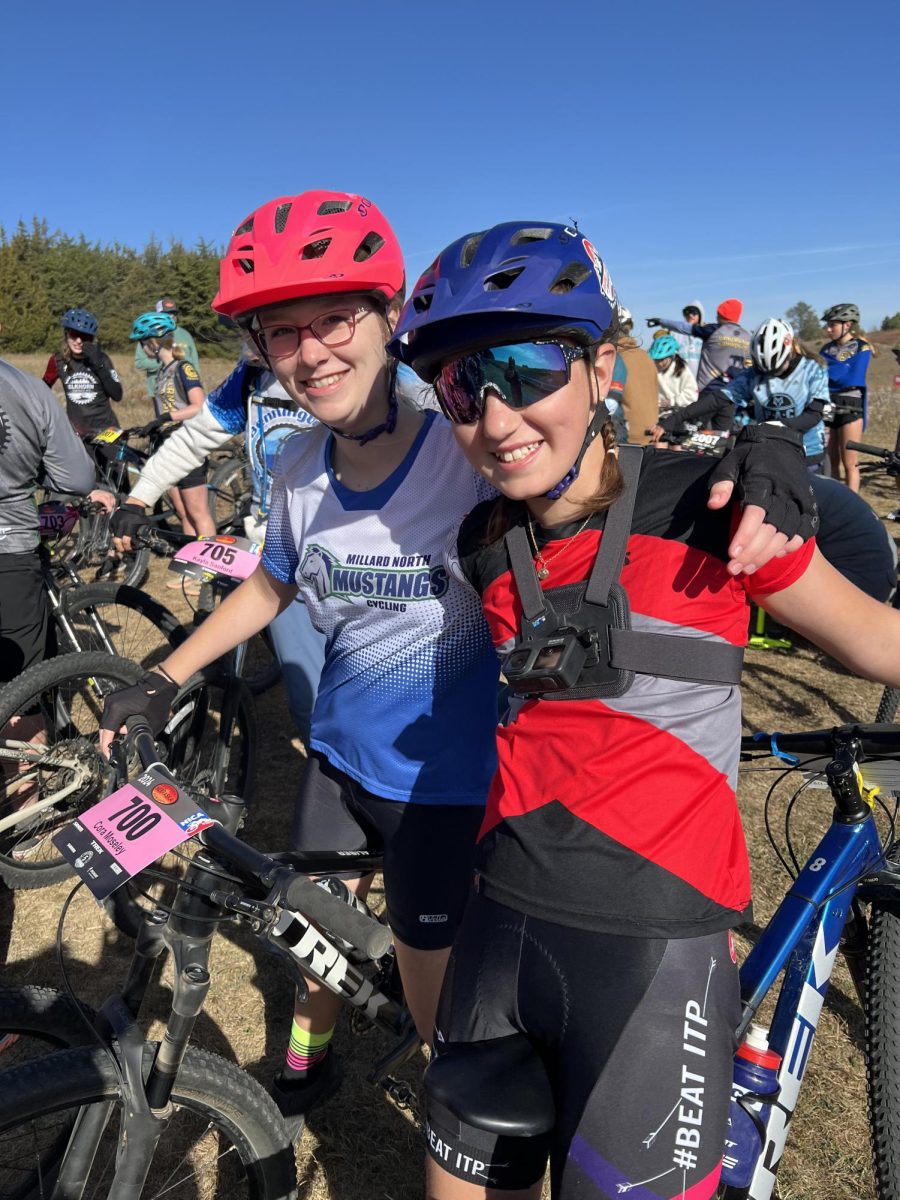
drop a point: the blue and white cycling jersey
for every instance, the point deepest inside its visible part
(407, 698)
(765, 398)
(253, 402)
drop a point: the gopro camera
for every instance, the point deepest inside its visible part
(550, 664)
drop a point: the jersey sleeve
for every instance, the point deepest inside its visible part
(279, 555)
(189, 376)
(51, 374)
(779, 573)
(227, 402)
(740, 389)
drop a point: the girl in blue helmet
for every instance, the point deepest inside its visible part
(677, 385)
(178, 396)
(592, 992)
(88, 378)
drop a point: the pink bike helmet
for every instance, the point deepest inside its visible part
(307, 245)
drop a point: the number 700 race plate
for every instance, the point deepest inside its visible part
(128, 830)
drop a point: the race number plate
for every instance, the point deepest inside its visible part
(108, 435)
(56, 520)
(234, 557)
(128, 830)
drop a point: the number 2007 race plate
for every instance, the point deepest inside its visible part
(128, 830)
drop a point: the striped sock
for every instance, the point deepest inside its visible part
(306, 1052)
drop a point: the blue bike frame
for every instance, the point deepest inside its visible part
(803, 938)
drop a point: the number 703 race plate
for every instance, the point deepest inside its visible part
(128, 830)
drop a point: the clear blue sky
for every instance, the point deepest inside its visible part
(707, 149)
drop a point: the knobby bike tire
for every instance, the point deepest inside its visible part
(887, 707)
(64, 691)
(883, 1046)
(222, 1120)
(35, 1021)
(230, 495)
(134, 625)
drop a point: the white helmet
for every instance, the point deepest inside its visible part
(772, 345)
(625, 317)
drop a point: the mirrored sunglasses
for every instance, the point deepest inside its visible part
(519, 374)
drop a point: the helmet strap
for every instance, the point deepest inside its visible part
(600, 417)
(388, 425)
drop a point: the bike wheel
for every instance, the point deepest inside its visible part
(210, 739)
(230, 494)
(119, 620)
(883, 1046)
(50, 767)
(224, 1137)
(887, 707)
(36, 1021)
(91, 555)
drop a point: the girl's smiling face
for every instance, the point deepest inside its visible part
(342, 386)
(525, 452)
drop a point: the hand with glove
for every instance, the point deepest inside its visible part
(92, 354)
(125, 523)
(652, 322)
(152, 426)
(151, 697)
(768, 467)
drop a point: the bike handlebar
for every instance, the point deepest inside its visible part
(293, 889)
(889, 456)
(881, 740)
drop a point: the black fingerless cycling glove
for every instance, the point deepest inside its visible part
(768, 468)
(127, 521)
(151, 697)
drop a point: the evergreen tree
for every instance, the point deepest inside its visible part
(805, 321)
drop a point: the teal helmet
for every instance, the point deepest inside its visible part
(151, 325)
(663, 347)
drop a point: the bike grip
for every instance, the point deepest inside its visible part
(365, 933)
(866, 449)
(141, 736)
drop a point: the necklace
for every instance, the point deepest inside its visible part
(539, 561)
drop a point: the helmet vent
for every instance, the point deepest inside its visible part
(422, 303)
(246, 264)
(523, 237)
(469, 248)
(570, 277)
(329, 207)
(281, 216)
(245, 228)
(501, 280)
(316, 249)
(370, 245)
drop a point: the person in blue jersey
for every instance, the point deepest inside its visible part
(253, 403)
(315, 281)
(847, 356)
(787, 386)
(402, 745)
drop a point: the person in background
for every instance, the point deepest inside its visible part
(847, 358)
(677, 386)
(179, 396)
(89, 380)
(148, 364)
(726, 344)
(689, 346)
(633, 385)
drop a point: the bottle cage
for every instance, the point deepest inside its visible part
(576, 641)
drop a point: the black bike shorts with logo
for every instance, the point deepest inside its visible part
(428, 848)
(636, 1036)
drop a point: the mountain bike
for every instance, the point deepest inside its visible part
(825, 907)
(128, 1117)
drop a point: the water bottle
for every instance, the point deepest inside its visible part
(754, 1088)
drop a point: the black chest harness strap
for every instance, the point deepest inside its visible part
(576, 640)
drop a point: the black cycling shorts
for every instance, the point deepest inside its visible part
(840, 419)
(195, 478)
(23, 614)
(636, 1036)
(428, 848)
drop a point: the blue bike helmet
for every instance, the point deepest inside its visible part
(79, 320)
(521, 280)
(663, 347)
(151, 325)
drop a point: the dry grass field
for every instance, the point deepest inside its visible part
(361, 1146)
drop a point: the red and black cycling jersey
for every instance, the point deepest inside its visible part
(88, 387)
(619, 815)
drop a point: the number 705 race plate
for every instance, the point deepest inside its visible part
(128, 830)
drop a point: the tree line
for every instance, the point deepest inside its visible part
(42, 273)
